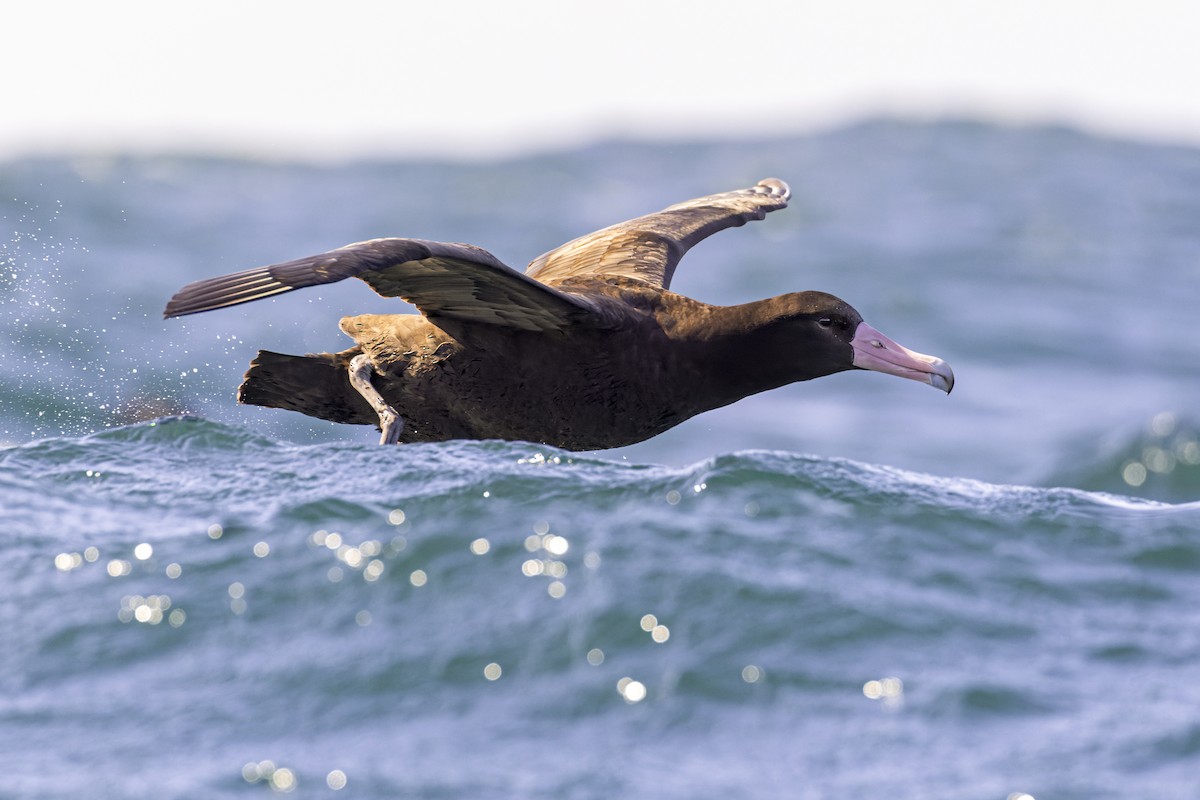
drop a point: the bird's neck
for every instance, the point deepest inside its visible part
(742, 350)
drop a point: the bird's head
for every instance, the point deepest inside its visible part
(828, 335)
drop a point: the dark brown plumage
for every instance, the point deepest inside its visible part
(586, 350)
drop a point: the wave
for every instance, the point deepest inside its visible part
(348, 591)
(190, 459)
(1159, 461)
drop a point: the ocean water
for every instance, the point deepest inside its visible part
(855, 587)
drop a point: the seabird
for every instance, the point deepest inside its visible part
(585, 350)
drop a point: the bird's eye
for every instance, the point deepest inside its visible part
(825, 322)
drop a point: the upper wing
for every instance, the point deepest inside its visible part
(649, 247)
(448, 280)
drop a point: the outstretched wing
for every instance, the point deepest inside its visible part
(442, 280)
(649, 247)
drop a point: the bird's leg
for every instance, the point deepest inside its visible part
(390, 422)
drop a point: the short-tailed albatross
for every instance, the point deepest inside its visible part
(587, 349)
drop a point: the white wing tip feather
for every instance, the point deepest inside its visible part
(774, 187)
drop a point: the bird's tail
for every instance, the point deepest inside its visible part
(317, 385)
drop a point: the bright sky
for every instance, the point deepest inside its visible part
(486, 77)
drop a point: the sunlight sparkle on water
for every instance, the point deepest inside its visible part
(143, 551)
(262, 549)
(751, 673)
(237, 601)
(480, 546)
(336, 780)
(147, 610)
(351, 555)
(215, 531)
(65, 562)
(281, 779)
(373, 571)
(395, 517)
(418, 577)
(595, 656)
(1163, 423)
(253, 772)
(633, 691)
(889, 690)
(1134, 473)
(492, 671)
(1173, 448)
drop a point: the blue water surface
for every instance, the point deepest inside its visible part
(854, 587)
